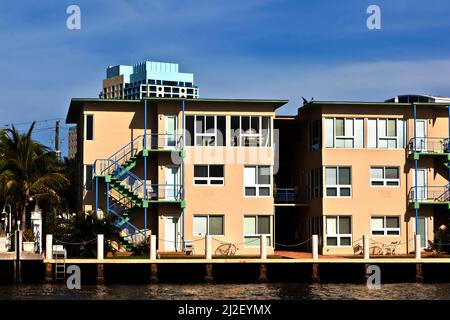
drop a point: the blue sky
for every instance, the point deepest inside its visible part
(236, 49)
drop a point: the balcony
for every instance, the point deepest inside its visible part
(428, 146)
(429, 195)
(289, 197)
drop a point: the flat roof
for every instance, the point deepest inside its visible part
(76, 104)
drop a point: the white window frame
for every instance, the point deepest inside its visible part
(257, 185)
(259, 136)
(85, 126)
(206, 133)
(337, 186)
(255, 243)
(399, 140)
(339, 235)
(209, 179)
(384, 180)
(207, 216)
(345, 137)
(385, 229)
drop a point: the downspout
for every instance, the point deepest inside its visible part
(145, 170)
(415, 171)
(183, 243)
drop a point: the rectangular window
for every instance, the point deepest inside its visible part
(209, 224)
(208, 174)
(257, 181)
(88, 177)
(385, 226)
(344, 133)
(386, 133)
(338, 231)
(250, 131)
(385, 176)
(205, 131)
(254, 226)
(315, 183)
(89, 127)
(338, 182)
(314, 135)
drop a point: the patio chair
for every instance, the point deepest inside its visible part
(390, 248)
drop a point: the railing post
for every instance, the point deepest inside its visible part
(100, 246)
(153, 247)
(208, 247)
(366, 247)
(417, 246)
(315, 247)
(263, 246)
(48, 246)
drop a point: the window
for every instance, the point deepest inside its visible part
(205, 131)
(315, 183)
(254, 226)
(344, 133)
(385, 226)
(385, 176)
(257, 181)
(339, 231)
(386, 133)
(314, 135)
(208, 174)
(88, 177)
(338, 182)
(208, 224)
(250, 131)
(89, 127)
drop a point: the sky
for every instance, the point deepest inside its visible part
(268, 49)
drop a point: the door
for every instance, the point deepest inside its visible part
(172, 187)
(172, 233)
(422, 230)
(421, 134)
(171, 132)
(421, 184)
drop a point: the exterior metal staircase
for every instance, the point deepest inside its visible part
(127, 191)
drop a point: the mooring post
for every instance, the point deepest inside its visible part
(153, 247)
(17, 264)
(100, 273)
(315, 246)
(153, 273)
(100, 247)
(419, 272)
(263, 246)
(366, 249)
(48, 273)
(48, 246)
(417, 246)
(208, 247)
(209, 273)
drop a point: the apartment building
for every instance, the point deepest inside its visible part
(148, 79)
(376, 169)
(180, 169)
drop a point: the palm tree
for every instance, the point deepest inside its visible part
(28, 171)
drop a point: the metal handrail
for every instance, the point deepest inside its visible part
(429, 144)
(285, 195)
(154, 190)
(430, 194)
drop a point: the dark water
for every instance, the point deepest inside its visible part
(273, 291)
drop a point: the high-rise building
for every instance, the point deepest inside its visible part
(148, 79)
(72, 148)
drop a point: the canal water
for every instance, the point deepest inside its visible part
(272, 291)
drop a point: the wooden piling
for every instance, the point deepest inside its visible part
(153, 273)
(419, 272)
(48, 273)
(100, 273)
(315, 277)
(209, 273)
(263, 273)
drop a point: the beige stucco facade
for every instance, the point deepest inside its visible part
(368, 201)
(116, 123)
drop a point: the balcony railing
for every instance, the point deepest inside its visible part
(428, 145)
(432, 194)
